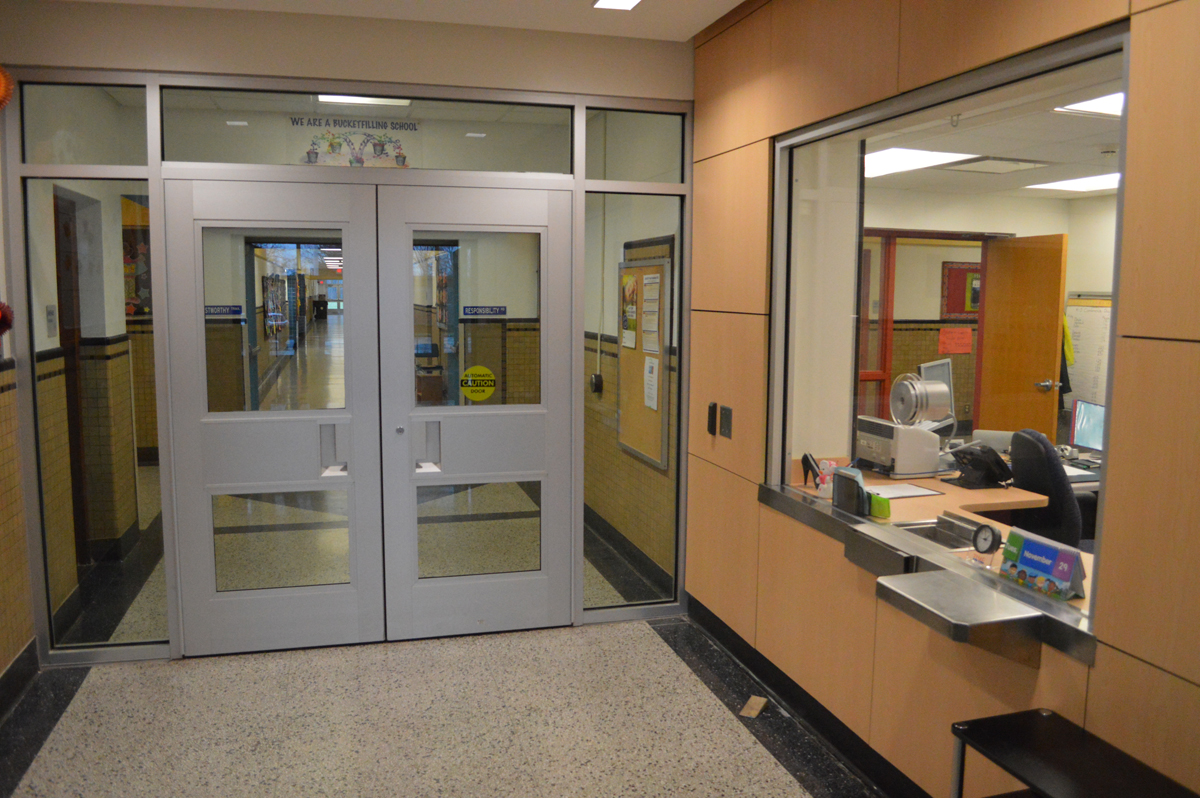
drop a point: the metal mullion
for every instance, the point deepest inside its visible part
(21, 342)
(578, 358)
(683, 364)
(72, 75)
(603, 102)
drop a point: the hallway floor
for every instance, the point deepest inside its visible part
(614, 709)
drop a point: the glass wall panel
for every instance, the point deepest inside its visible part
(629, 145)
(631, 455)
(91, 314)
(491, 528)
(84, 124)
(273, 331)
(223, 126)
(477, 318)
(267, 540)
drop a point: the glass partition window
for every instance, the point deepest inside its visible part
(477, 318)
(956, 249)
(631, 420)
(223, 126)
(91, 314)
(629, 145)
(273, 319)
(84, 124)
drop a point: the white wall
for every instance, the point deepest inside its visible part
(1091, 248)
(824, 276)
(500, 269)
(101, 268)
(222, 41)
(612, 220)
(918, 210)
(82, 125)
(919, 277)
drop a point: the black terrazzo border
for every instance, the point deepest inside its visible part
(28, 726)
(801, 751)
(853, 752)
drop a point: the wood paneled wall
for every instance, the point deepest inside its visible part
(782, 64)
(731, 253)
(943, 38)
(1162, 183)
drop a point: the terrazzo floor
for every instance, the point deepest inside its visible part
(599, 710)
(315, 375)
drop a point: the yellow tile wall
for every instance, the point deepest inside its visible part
(145, 407)
(16, 612)
(523, 363)
(55, 463)
(108, 444)
(632, 495)
(917, 343)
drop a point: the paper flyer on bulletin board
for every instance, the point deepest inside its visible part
(644, 353)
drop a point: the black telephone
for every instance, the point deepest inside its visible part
(980, 466)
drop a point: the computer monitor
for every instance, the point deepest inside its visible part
(1087, 426)
(939, 371)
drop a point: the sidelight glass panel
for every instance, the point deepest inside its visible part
(268, 540)
(273, 319)
(92, 319)
(223, 126)
(630, 145)
(477, 318)
(478, 529)
(631, 454)
(84, 124)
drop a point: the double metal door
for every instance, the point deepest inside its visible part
(415, 434)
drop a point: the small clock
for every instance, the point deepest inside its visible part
(986, 539)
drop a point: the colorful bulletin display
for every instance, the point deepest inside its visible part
(1043, 565)
(644, 349)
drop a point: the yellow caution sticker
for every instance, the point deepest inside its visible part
(477, 383)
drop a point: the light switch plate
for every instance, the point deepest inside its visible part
(726, 422)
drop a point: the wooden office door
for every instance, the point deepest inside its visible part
(1020, 333)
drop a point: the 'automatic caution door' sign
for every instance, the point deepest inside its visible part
(477, 383)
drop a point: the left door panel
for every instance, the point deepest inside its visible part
(275, 414)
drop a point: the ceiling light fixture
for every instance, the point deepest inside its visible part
(238, 124)
(350, 99)
(619, 5)
(331, 249)
(1094, 183)
(899, 159)
(1108, 105)
(477, 135)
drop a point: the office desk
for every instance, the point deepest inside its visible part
(953, 498)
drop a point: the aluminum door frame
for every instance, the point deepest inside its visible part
(275, 618)
(489, 602)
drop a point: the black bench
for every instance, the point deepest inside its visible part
(1057, 759)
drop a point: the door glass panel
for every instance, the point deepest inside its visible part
(84, 124)
(93, 326)
(478, 529)
(273, 319)
(221, 126)
(265, 540)
(477, 318)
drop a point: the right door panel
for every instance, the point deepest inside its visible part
(476, 389)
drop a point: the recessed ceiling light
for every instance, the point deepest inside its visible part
(238, 124)
(619, 5)
(1108, 105)
(350, 99)
(331, 249)
(898, 159)
(476, 135)
(1094, 183)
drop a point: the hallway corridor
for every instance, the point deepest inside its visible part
(613, 709)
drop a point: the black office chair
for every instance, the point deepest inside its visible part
(1037, 467)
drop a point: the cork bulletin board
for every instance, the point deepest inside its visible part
(644, 349)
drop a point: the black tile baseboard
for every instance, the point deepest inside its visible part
(17, 676)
